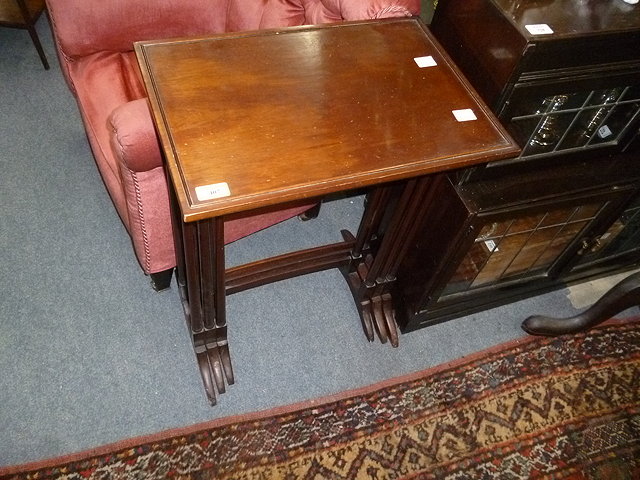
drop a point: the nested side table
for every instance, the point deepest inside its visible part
(24, 14)
(253, 120)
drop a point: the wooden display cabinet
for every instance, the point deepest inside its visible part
(564, 78)
(501, 240)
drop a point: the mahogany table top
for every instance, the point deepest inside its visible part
(258, 118)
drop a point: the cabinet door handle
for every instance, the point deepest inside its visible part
(584, 246)
(596, 245)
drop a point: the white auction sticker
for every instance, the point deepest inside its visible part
(604, 132)
(215, 190)
(425, 61)
(464, 115)
(539, 29)
(491, 245)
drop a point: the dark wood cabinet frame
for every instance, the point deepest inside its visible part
(591, 47)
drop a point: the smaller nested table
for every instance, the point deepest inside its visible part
(24, 14)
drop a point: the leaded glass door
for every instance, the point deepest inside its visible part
(527, 243)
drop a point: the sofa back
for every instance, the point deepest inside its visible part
(83, 27)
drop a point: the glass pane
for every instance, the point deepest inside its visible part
(585, 126)
(494, 230)
(622, 237)
(632, 93)
(605, 97)
(587, 212)
(548, 133)
(613, 126)
(525, 224)
(519, 246)
(522, 129)
(537, 253)
(565, 101)
(574, 121)
(559, 217)
(468, 269)
(537, 106)
(559, 241)
(608, 237)
(526, 258)
(547, 251)
(501, 258)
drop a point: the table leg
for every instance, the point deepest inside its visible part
(29, 21)
(204, 268)
(625, 294)
(359, 272)
(386, 231)
(200, 275)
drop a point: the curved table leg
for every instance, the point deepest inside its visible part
(384, 235)
(214, 362)
(378, 315)
(625, 294)
(390, 319)
(367, 319)
(376, 309)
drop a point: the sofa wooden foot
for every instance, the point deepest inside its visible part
(161, 280)
(312, 213)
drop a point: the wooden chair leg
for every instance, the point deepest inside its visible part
(36, 42)
(29, 23)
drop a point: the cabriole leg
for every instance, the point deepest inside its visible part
(624, 295)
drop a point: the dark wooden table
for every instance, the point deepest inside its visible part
(258, 119)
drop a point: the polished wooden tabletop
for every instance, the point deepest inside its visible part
(254, 119)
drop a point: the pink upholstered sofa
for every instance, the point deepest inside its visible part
(95, 39)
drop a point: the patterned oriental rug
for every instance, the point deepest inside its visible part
(561, 408)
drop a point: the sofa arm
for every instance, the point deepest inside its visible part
(133, 136)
